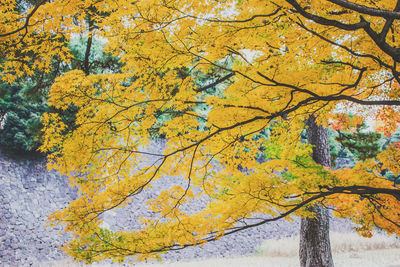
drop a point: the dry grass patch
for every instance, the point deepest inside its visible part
(340, 243)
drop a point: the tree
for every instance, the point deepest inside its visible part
(23, 103)
(272, 65)
(315, 247)
(363, 145)
(20, 120)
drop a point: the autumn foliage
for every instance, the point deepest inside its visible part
(222, 82)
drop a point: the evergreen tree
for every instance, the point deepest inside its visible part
(20, 116)
(362, 144)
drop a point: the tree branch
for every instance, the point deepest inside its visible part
(215, 83)
(387, 14)
(327, 22)
(389, 23)
(363, 24)
(26, 24)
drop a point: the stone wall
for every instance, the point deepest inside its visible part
(29, 193)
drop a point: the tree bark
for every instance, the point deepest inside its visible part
(315, 248)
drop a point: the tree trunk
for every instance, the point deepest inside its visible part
(315, 248)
